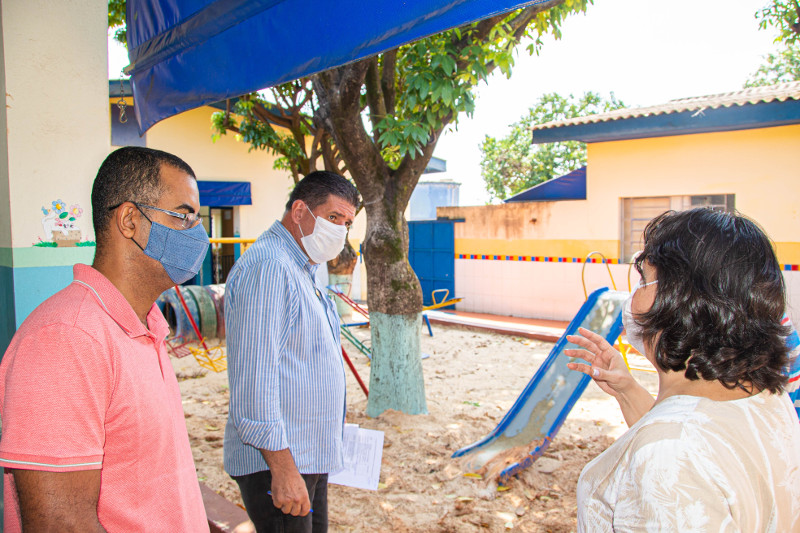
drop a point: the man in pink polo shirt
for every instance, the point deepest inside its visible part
(93, 436)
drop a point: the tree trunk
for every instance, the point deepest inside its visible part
(344, 263)
(394, 296)
(395, 305)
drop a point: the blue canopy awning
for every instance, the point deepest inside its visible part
(571, 186)
(224, 193)
(187, 53)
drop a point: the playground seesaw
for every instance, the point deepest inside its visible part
(530, 425)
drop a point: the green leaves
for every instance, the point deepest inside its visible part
(432, 84)
(405, 137)
(783, 66)
(438, 75)
(784, 15)
(512, 164)
(259, 134)
(116, 20)
(780, 67)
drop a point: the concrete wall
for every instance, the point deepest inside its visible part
(56, 133)
(525, 259)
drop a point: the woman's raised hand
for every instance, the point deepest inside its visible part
(606, 365)
(608, 369)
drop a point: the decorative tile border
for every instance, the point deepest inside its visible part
(548, 259)
(536, 258)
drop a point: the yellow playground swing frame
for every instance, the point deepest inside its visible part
(624, 348)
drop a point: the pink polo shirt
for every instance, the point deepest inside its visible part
(84, 385)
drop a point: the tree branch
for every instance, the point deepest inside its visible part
(316, 148)
(268, 116)
(388, 73)
(329, 157)
(520, 21)
(374, 93)
(338, 93)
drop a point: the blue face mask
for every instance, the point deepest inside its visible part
(180, 252)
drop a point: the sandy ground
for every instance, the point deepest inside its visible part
(471, 379)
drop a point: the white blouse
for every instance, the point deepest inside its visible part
(694, 464)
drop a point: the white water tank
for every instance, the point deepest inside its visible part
(428, 195)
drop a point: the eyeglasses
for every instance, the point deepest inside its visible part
(188, 220)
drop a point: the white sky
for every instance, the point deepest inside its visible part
(646, 51)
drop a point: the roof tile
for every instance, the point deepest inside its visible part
(754, 95)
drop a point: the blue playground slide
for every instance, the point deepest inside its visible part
(533, 421)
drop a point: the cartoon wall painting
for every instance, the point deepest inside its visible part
(60, 224)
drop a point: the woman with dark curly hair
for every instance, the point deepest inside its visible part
(719, 448)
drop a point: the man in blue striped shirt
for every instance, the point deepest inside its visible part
(287, 385)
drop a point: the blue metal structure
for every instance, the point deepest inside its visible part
(544, 404)
(570, 186)
(431, 252)
(187, 53)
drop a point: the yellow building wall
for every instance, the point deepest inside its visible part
(759, 166)
(189, 136)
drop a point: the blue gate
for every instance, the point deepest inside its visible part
(431, 252)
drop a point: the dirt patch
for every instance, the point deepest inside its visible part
(471, 380)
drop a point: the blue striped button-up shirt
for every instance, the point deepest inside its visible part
(285, 369)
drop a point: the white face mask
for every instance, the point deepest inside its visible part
(633, 331)
(325, 242)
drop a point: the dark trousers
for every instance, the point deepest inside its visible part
(270, 519)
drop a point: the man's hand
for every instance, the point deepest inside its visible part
(58, 501)
(289, 492)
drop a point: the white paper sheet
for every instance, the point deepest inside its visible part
(363, 450)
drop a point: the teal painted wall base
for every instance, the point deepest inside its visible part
(395, 380)
(33, 285)
(29, 276)
(7, 315)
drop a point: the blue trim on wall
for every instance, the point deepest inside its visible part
(763, 115)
